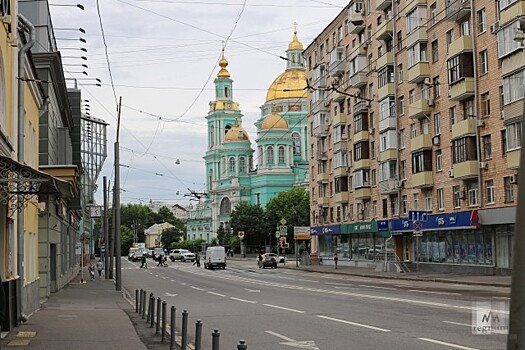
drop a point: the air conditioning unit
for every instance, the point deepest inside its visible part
(461, 194)
(483, 165)
(494, 27)
(513, 179)
(436, 140)
(41, 207)
(450, 172)
(430, 102)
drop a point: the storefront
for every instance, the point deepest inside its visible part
(499, 222)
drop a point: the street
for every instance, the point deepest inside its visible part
(289, 308)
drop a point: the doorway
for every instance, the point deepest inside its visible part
(53, 268)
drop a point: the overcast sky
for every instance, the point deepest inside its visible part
(163, 57)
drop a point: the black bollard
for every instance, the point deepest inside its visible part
(198, 335)
(184, 330)
(149, 308)
(172, 327)
(157, 326)
(136, 300)
(152, 308)
(163, 333)
(140, 301)
(144, 304)
(215, 339)
(242, 345)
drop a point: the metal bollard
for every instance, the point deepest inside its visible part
(152, 308)
(172, 327)
(144, 304)
(163, 333)
(157, 326)
(242, 345)
(140, 301)
(198, 335)
(149, 308)
(136, 300)
(184, 330)
(215, 339)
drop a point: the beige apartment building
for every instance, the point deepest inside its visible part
(417, 105)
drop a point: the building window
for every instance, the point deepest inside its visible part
(413, 131)
(403, 170)
(402, 139)
(483, 62)
(453, 115)
(281, 155)
(296, 143)
(231, 168)
(421, 161)
(437, 124)
(385, 207)
(490, 196)
(464, 149)
(487, 147)
(439, 160)
(482, 20)
(416, 201)
(472, 189)
(412, 96)
(395, 205)
(242, 165)
(374, 208)
(506, 42)
(433, 14)
(435, 51)
(437, 87)
(450, 36)
(456, 198)
(440, 199)
(513, 87)
(509, 189)
(404, 204)
(385, 76)
(428, 200)
(400, 73)
(401, 105)
(485, 104)
(513, 136)
(269, 155)
(459, 67)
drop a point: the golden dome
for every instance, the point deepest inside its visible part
(295, 44)
(290, 84)
(274, 121)
(237, 133)
(223, 63)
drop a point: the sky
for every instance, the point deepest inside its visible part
(161, 57)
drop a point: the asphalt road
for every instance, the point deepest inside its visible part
(288, 308)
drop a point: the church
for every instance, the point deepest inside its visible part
(235, 172)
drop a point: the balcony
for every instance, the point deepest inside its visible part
(361, 136)
(321, 130)
(462, 90)
(513, 63)
(361, 164)
(387, 58)
(387, 123)
(319, 106)
(386, 90)
(423, 179)
(356, 22)
(338, 96)
(382, 5)
(385, 30)
(512, 110)
(341, 171)
(357, 51)
(362, 193)
(419, 109)
(341, 197)
(457, 10)
(321, 155)
(360, 107)
(510, 13)
(323, 177)
(339, 118)
(464, 128)
(388, 186)
(513, 159)
(337, 64)
(461, 44)
(417, 35)
(411, 4)
(323, 201)
(388, 154)
(421, 142)
(418, 72)
(341, 145)
(359, 79)
(466, 170)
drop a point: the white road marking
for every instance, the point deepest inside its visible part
(156, 275)
(458, 324)
(197, 288)
(244, 300)
(354, 323)
(217, 294)
(164, 277)
(311, 281)
(284, 308)
(377, 287)
(307, 344)
(455, 346)
(253, 290)
(431, 292)
(283, 337)
(505, 298)
(170, 295)
(172, 280)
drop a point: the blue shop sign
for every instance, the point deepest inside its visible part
(382, 225)
(466, 219)
(325, 230)
(316, 230)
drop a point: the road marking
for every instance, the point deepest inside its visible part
(354, 323)
(312, 281)
(283, 337)
(284, 308)
(253, 290)
(201, 289)
(244, 300)
(431, 292)
(307, 344)
(458, 324)
(455, 346)
(164, 277)
(172, 280)
(506, 298)
(377, 287)
(170, 295)
(217, 294)
(156, 275)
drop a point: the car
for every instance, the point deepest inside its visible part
(268, 260)
(137, 255)
(149, 253)
(131, 253)
(215, 257)
(158, 252)
(182, 255)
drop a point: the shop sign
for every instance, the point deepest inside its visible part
(358, 227)
(439, 221)
(325, 230)
(382, 225)
(301, 233)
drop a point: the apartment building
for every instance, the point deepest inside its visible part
(417, 106)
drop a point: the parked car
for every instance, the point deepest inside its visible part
(215, 257)
(137, 255)
(158, 252)
(131, 253)
(149, 253)
(182, 255)
(268, 260)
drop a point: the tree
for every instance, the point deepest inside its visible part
(127, 238)
(170, 237)
(137, 217)
(252, 220)
(165, 215)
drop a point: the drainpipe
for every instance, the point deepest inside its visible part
(24, 25)
(386, 251)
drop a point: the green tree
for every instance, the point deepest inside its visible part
(127, 238)
(252, 220)
(170, 237)
(165, 215)
(137, 218)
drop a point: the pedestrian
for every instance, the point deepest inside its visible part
(259, 260)
(197, 260)
(160, 261)
(100, 267)
(336, 259)
(144, 263)
(164, 261)
(91, 270)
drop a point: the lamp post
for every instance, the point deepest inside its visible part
(79, 39)
(76, 72)
(82, 30)
(80, 6)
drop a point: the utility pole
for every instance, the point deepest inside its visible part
(112, 237)
(118, 279)
(106, 227)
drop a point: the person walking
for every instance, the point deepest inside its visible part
(100, 267)
(91, 270)
(336, 259)
(144, 263)
(197, 260)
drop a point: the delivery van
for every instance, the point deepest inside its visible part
(215, 257)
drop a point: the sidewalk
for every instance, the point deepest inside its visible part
(91, 315)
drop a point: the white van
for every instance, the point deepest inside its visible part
(215, 257)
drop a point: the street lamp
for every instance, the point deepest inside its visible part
(76, 65)
(82, 30)
(81, 39)
(77, 72)
(73, 48)
(80, 6)
(84, 58)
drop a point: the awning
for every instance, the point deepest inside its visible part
(19, 182)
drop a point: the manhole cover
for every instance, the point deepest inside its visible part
(25, 334)
(19, 342)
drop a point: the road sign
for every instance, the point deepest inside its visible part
(240, 234)
(417, 234)
(283, 222)
(277, 234)
(418, 226)
(417, 215)
(283, 230)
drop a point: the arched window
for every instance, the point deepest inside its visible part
(231, 165)
(227, 128)
(225, 208)
(261, 155)
(269, 155)
(223, 161)
(226, 92)
(281, 154)
(242, 165)
(296, 143)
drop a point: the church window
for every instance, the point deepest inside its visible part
(281, 155)
(225, 208)
(227, 128)
(231, 167)
(242, 165)
(223, 165)
(296, 143)
(269, 155)
(226, 92)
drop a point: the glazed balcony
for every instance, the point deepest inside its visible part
(513, 63)
(418, 72)
(361, 136)
(511, 12)
(466, 170)
(423, 179)
(382, 5)
(462, 90)
(385, 59)
(356, 22)
(361, 164)
(386, 90)
(322, 155)
(464, 128)
(323, 177)
(338, 96)
(323, 201)
(360, 107)
(339, 118)
(341, 145)
(321, 130)
(356, 51)
(385, 30)
(359, 79)
(341, 171)
(421, 142)
(513, 159)
(388, 154)
(362, 193)
(417, 35)
(457, 9)
(512, 110)
(341, 197)
(419, 109)
(461, 44)
(388, 186)
(387, 123)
